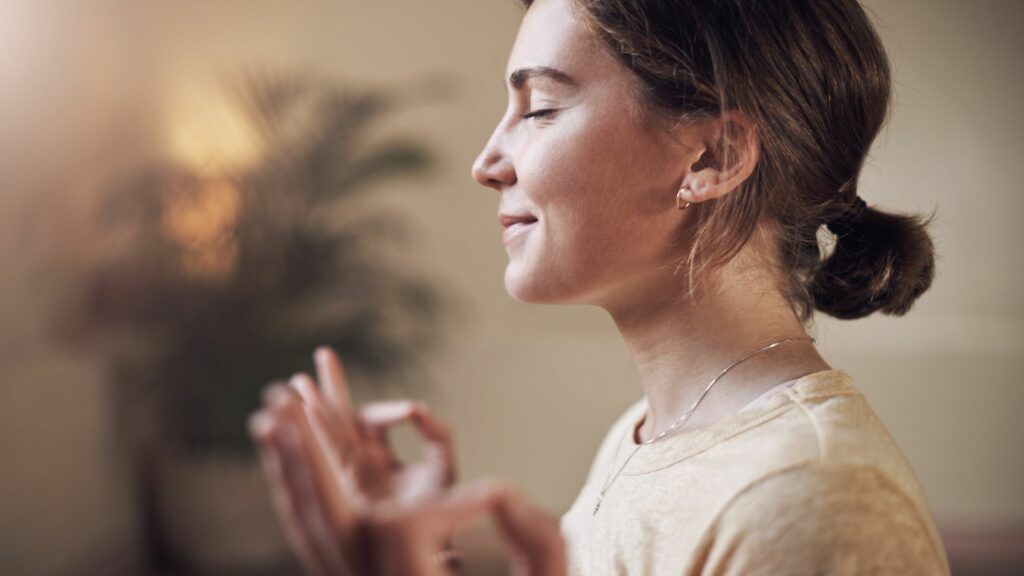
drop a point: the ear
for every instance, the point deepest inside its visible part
(730, 151)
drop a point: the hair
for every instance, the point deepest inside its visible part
(814, 77)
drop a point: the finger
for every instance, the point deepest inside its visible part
(339, 433)
(437, 448)
(441, 515)
(262, 428)
(332, 377)
(343, 457)
(533, 533)
(464, 503)
(340, 507)
(306, 501)
(306, 527)
(270, 391)
(260, 425)
(376, 417)
(358, 463)
(409, 535)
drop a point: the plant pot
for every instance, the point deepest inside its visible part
(215, 515)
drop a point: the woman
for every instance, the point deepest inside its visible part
(673, 163)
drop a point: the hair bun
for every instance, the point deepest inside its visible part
(843, 225)
(881, 262)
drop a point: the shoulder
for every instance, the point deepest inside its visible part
(819, 518)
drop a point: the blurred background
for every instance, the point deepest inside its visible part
(195, 194)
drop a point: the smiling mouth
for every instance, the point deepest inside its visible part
(509, 221)
(516, 228)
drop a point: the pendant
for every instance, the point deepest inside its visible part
(598, 505)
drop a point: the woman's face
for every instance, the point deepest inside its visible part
(572, 155)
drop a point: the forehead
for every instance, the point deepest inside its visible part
(552, 35)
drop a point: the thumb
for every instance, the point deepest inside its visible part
(410, 537)
(464, 503)
(533, 533)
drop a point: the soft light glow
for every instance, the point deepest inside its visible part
(205, 133)
(202, 223)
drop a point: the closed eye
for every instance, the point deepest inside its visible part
(540, 113)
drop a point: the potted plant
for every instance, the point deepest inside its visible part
(220, 280)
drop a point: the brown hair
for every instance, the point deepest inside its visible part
(814, 77)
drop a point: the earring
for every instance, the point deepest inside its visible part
(680, 201)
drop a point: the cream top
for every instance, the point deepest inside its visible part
(804, 480)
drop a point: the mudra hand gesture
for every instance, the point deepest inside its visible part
(350, 507)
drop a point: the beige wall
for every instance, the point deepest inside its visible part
(531, 389)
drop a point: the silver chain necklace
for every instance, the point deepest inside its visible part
(683, 418)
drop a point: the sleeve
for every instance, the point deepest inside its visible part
(820, 519)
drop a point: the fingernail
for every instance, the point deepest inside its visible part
(301, 385)
(266, 395)
(387, 410)
(322, 354)
(295, 382)
(260, 424)
(277, 395)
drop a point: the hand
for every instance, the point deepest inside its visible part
(336, 533)
(356, 443)
(348, 451)
(408, 540)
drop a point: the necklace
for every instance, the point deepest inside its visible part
(683, 418)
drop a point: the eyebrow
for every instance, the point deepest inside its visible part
(519, 77)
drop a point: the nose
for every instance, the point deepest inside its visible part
(493, 167)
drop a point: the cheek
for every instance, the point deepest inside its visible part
(600, 184)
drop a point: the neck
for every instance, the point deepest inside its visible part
(680, 346)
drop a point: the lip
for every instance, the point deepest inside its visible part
(515, 225)
(510, 219)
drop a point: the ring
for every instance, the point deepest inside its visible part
(448, 557)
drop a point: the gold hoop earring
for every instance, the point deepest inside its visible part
(679, 200)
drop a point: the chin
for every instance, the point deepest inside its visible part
(521, 286)
(532, 287)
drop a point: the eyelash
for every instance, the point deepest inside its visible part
(539, 114)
